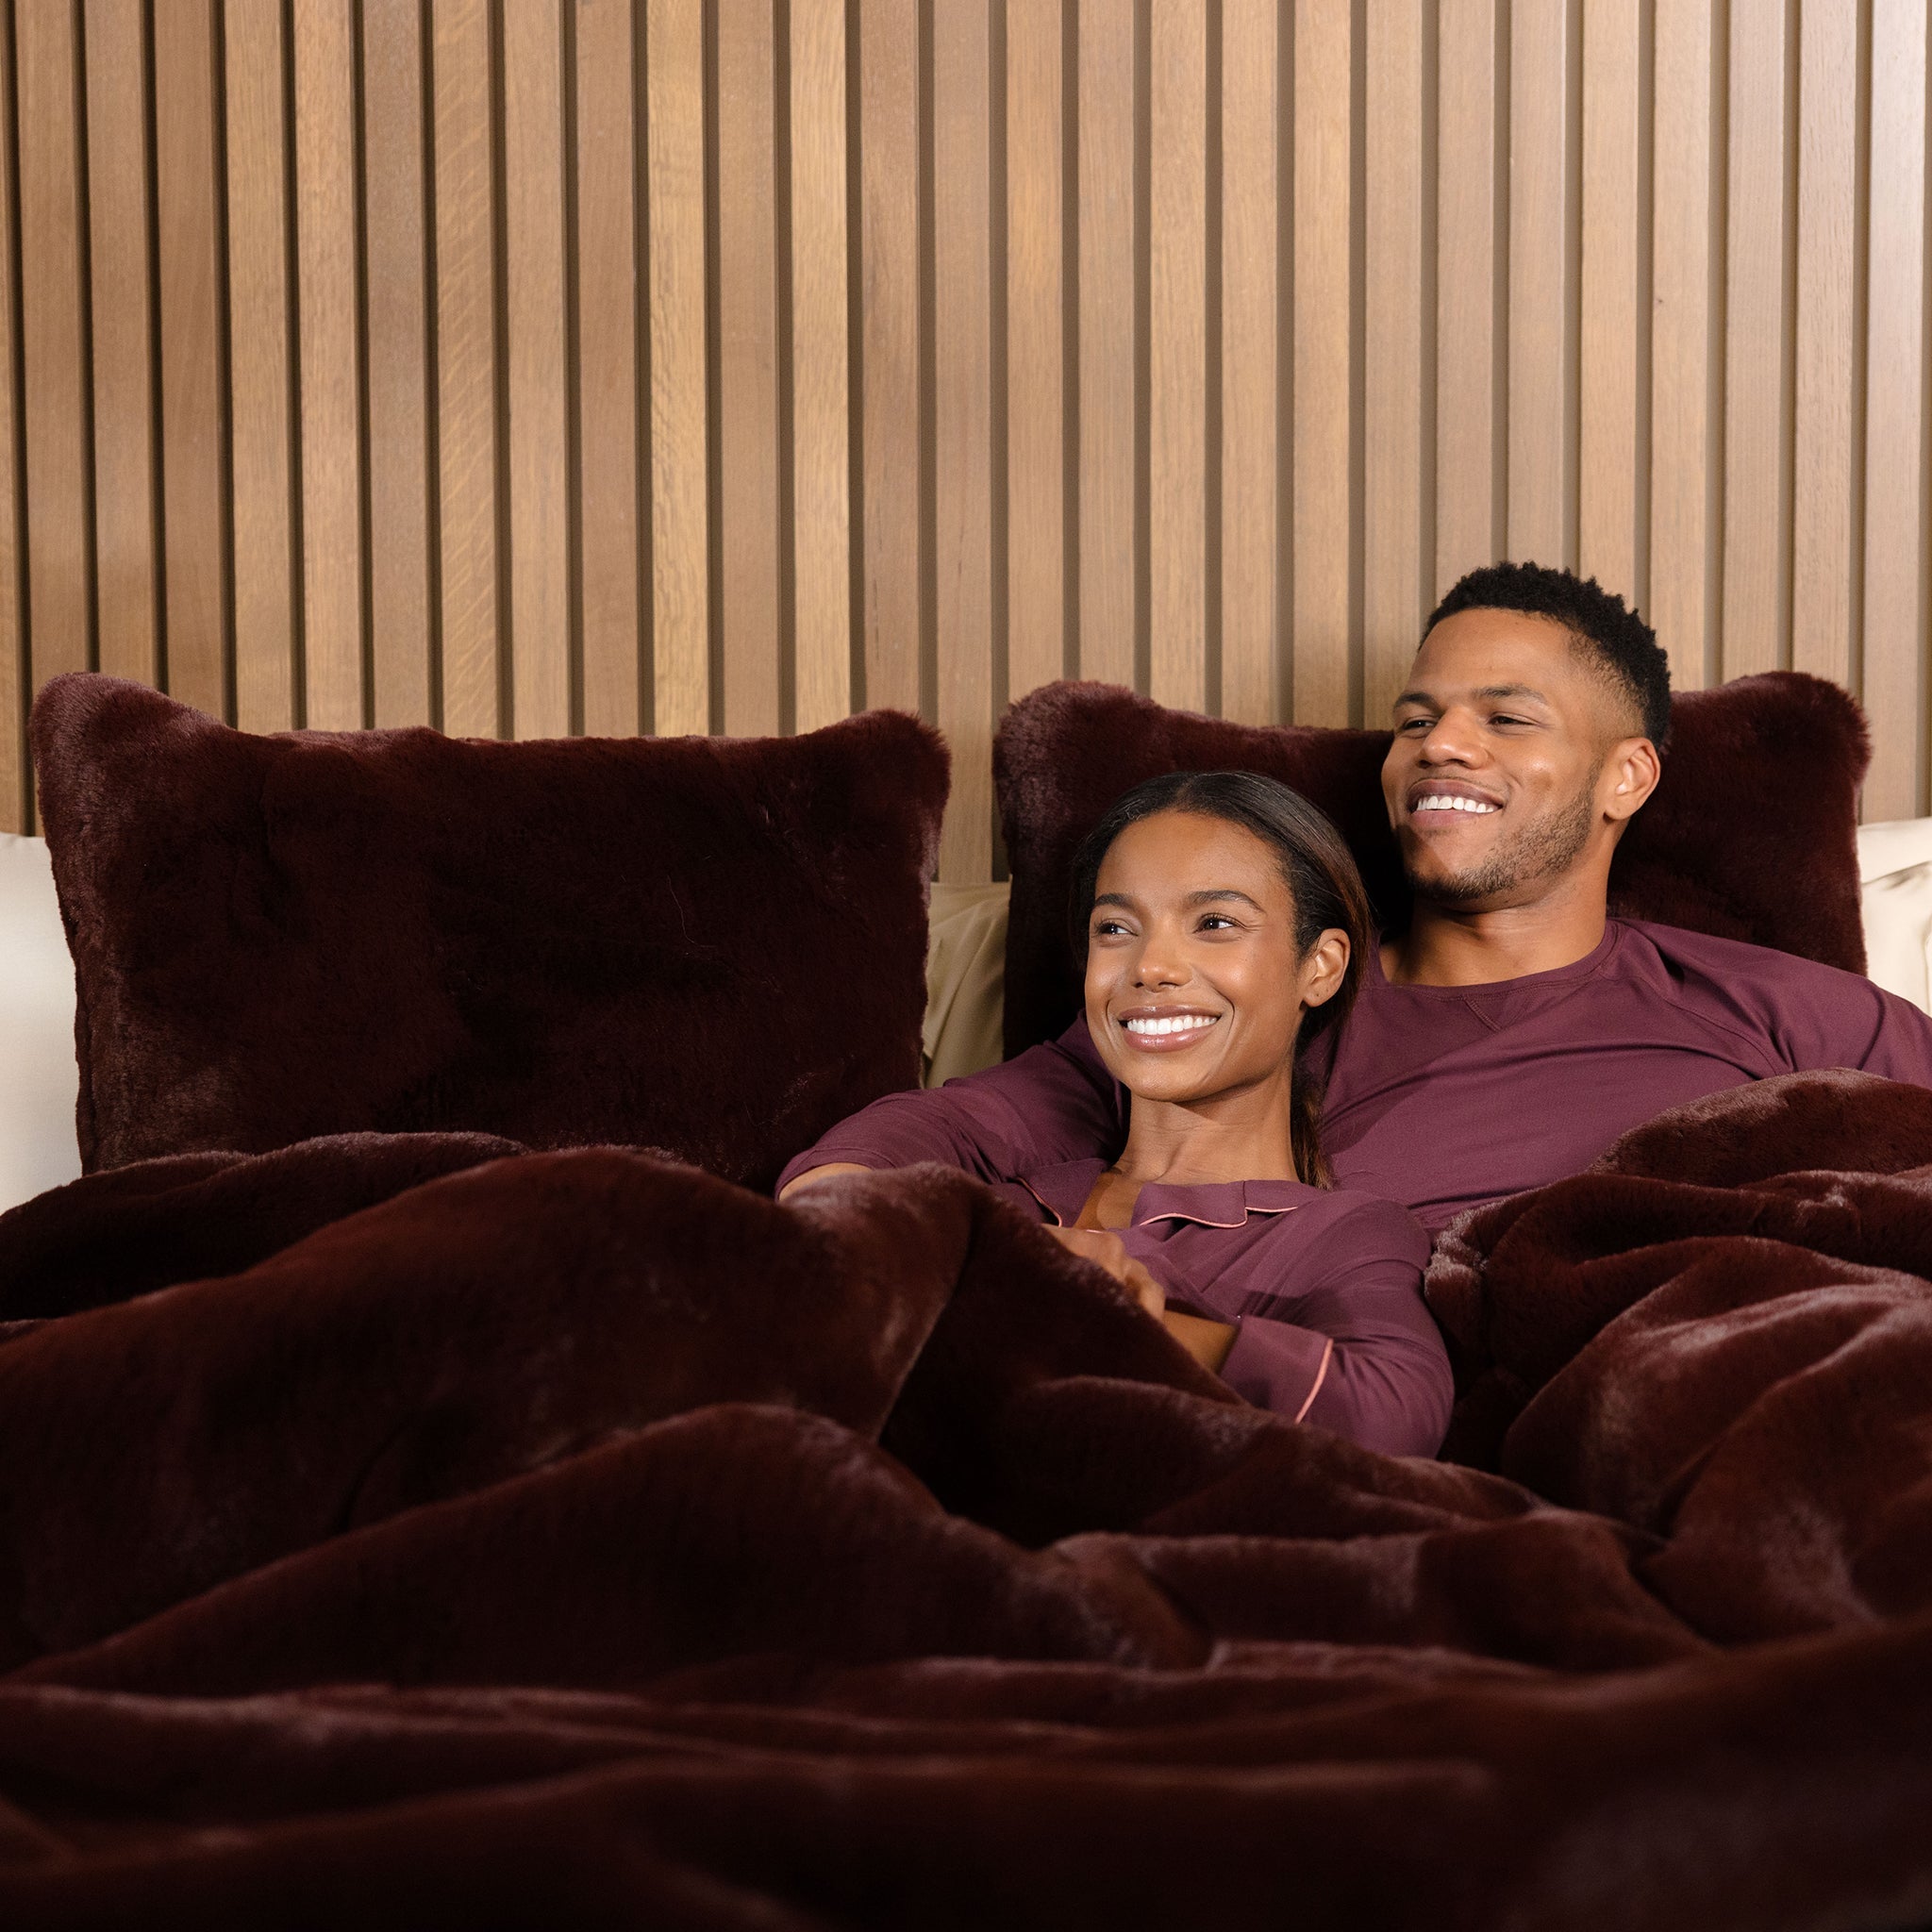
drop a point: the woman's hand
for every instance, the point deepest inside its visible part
(1109, 1252)
(1206, 1341)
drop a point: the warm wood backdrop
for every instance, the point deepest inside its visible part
(575, 365)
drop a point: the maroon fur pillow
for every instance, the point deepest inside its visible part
(711, 946)
(1751, 835)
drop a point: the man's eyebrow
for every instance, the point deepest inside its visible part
(1482, 690)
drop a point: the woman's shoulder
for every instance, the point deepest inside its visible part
(1366, 1224)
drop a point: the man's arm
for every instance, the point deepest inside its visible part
(1051, 1104)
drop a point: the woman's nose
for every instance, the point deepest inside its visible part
(1159, 964)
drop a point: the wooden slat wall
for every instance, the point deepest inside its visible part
(534, 366)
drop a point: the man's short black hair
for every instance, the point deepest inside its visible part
(1625, 645)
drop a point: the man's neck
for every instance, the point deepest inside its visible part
(1450, 945)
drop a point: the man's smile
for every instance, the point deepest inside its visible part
(1439, 802)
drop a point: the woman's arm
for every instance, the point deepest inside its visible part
(1052, 1103)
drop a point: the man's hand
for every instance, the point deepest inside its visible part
(813, 1174)
(1096, 1244)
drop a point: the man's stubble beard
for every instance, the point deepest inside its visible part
(1543, 849)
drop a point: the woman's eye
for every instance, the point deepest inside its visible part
(1108, 928)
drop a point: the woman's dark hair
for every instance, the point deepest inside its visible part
(1318, 868)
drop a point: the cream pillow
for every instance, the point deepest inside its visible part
(39, 1077)
(1895, 883)
(965, 981)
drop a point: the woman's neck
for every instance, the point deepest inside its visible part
(1245, 1136)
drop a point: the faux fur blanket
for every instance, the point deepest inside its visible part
(418, 1532)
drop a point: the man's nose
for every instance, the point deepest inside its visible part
(1452, 739)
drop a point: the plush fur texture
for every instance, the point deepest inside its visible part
(715, 946)
(572, 1538)
(1730, 843)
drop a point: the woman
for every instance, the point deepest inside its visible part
(1224, 927)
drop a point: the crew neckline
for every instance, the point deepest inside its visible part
(1592, 963)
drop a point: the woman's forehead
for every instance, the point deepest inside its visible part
(1178, 853)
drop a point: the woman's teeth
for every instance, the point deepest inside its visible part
(1444, 802)
(1189, 1023)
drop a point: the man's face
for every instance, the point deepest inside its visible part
(1500, 750)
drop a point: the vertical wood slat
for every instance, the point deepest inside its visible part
(1035, 402)
(748, 367)
(889, 321)
(466, 369)
(1754, 623)
(1680, 282)
(187, 191)
(1178, 355)
(261, 378)
(1108, 602)
(962, 417)
(1323, 354)
(1250, 297)
(1607, 475)
(1893, 641)
(1392, 590)
(680, 502)
(1540, 344)
(398, 377)
(607, 369)
(53, 336)
(821, 406)
(331, 375)
(1821, 426)
(1466, 318)
(15, 806)
(536, 369)
(121, 272)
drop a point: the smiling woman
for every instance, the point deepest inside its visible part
(1223, 925)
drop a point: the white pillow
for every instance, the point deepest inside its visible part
(1895, 883)
(39, 1077)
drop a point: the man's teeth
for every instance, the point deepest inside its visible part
(1186, 1022)
(1442, 801)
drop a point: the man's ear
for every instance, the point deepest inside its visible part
(1630, 776)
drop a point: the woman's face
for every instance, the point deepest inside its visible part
(1194, 984)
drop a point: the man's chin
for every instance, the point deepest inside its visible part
(1466, 891)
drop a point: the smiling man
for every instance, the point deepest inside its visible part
(1514, 1030)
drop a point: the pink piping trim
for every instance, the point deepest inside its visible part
(1320, 1376)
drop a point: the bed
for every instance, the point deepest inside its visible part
(443, 1488)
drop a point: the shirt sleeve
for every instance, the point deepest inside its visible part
(1050, 1105)
(1842, 1020)
(1348, 1343)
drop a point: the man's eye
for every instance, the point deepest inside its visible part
(1505, 718)
(1414, 724)
(1214, 920)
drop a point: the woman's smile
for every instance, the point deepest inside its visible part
(1166, 1029)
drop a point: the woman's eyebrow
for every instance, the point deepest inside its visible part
(1205, 898)
(1112, 899)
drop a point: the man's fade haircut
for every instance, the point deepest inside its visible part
(1597, 619)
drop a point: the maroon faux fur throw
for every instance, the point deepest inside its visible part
(419, 1532)
(1751, 835)
(713, 945)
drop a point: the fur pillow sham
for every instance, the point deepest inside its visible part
(1752, 834)
(711, 946)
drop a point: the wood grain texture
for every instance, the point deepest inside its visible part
(261, 381)
(394, 218)
(1608, 484)
(537, 368)
(962, 420)
(1468, 531)
(888, 319)
(1392, 587)
(680, 502)
(821, 404)
(331, 372)
(1323, 349)
(1177, 357)
(1250, 352)
(53, 340)
(194, 511)
(1110, 618)
(1892, 646)
(16, 808)
(1756, 620)
(121, 272)
(466, 371)
(1540, 342)
(1822, 425)
(748, 367)
(1036, 320)
(1680, 532)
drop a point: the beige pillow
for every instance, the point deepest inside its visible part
(1895, 886)
(39, 1077)
(965, 980)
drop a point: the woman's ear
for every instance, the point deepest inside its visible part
(1324, 967)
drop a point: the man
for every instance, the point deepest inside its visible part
(1515, 1029)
